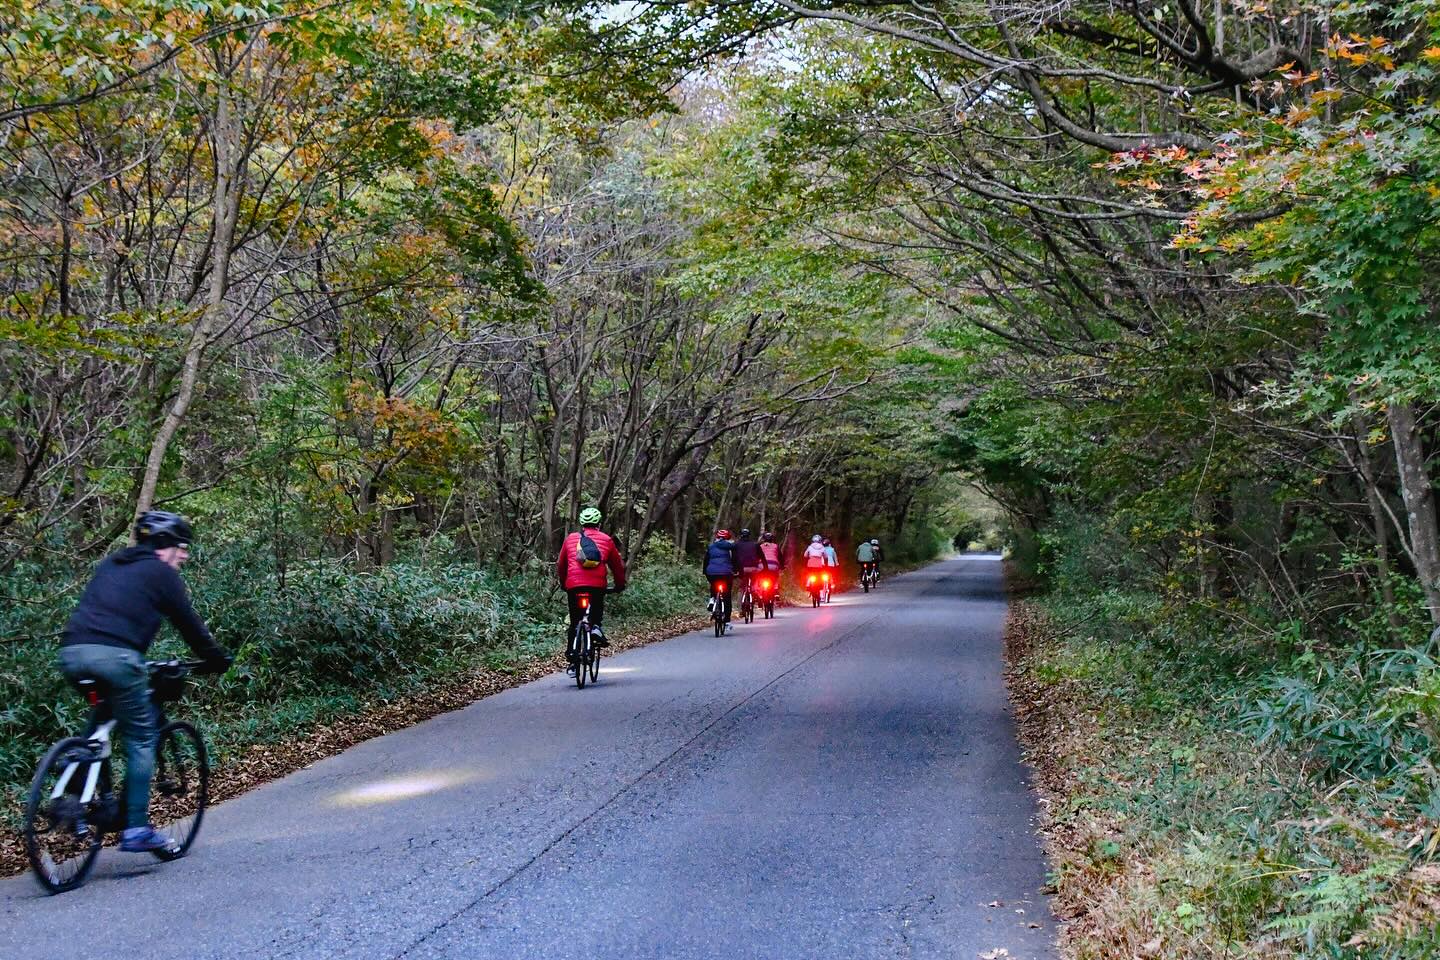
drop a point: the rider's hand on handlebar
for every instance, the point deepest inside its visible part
(218, 666)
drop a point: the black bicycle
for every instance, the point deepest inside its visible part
(766, 587)
(581, 651)
(747, 601)
(719, 605)
(869, 576)
(73, 801)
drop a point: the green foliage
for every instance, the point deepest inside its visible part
(1258, 791)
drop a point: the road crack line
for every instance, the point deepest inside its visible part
(644, 775)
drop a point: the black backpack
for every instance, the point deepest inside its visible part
(587, 551)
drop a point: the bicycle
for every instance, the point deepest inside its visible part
(767, 587)
(73, 803)
(719, 605)
(869, 577)
(581, 652)
(818, 586)
(747, 601)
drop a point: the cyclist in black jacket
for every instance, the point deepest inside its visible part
(748, 557)
(107, 636)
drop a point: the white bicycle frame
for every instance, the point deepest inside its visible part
(92, 776)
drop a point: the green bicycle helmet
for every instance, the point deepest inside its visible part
(590, 517)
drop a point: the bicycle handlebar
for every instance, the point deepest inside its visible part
(182, 667)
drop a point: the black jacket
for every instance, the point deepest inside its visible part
(747, 554)
(131, 592)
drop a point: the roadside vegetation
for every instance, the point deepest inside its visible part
(1213, 789)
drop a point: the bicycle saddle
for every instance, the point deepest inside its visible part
(91, 689)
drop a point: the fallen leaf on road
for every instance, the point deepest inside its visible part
(995, 954)
(1150, 947)
(995, 903)
(1033, 926)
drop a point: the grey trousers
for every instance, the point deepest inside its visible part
(127, 684)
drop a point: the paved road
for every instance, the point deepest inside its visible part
(841, 783)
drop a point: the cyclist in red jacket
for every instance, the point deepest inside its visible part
(586, 560)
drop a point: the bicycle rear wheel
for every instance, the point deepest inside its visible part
(581, 644)
(62, 838)
(594, 663)
(181, 788)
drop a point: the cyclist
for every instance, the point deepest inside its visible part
(720, 571)
(748, 557)
(815, 560)
(868, 555)
(770, 553)
(815, 554)
(107, 636)
(587, 559)
(875, 543)
(832, 559)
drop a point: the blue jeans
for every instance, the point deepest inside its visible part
(127, 688)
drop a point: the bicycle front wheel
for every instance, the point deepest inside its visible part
(181, 788)
(62, 836)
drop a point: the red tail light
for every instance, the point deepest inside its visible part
(93, 697)
(810, 582)
(584, 601)
(825, 577)
(764, 584)
(719, 588)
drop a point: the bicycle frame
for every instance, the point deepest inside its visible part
(101, 737)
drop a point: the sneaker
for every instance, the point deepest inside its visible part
(729, 628)
(598, 638)
(710, 605)
(144, 840)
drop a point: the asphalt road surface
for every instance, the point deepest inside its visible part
(835, 783)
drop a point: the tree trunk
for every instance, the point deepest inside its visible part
(225, 210)
(1365, 460)
(1419, 502)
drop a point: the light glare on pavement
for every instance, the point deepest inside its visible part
(402, 788)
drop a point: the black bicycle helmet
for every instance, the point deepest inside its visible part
(745, 533)
(160, 529)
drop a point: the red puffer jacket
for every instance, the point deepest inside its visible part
(572, 574)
